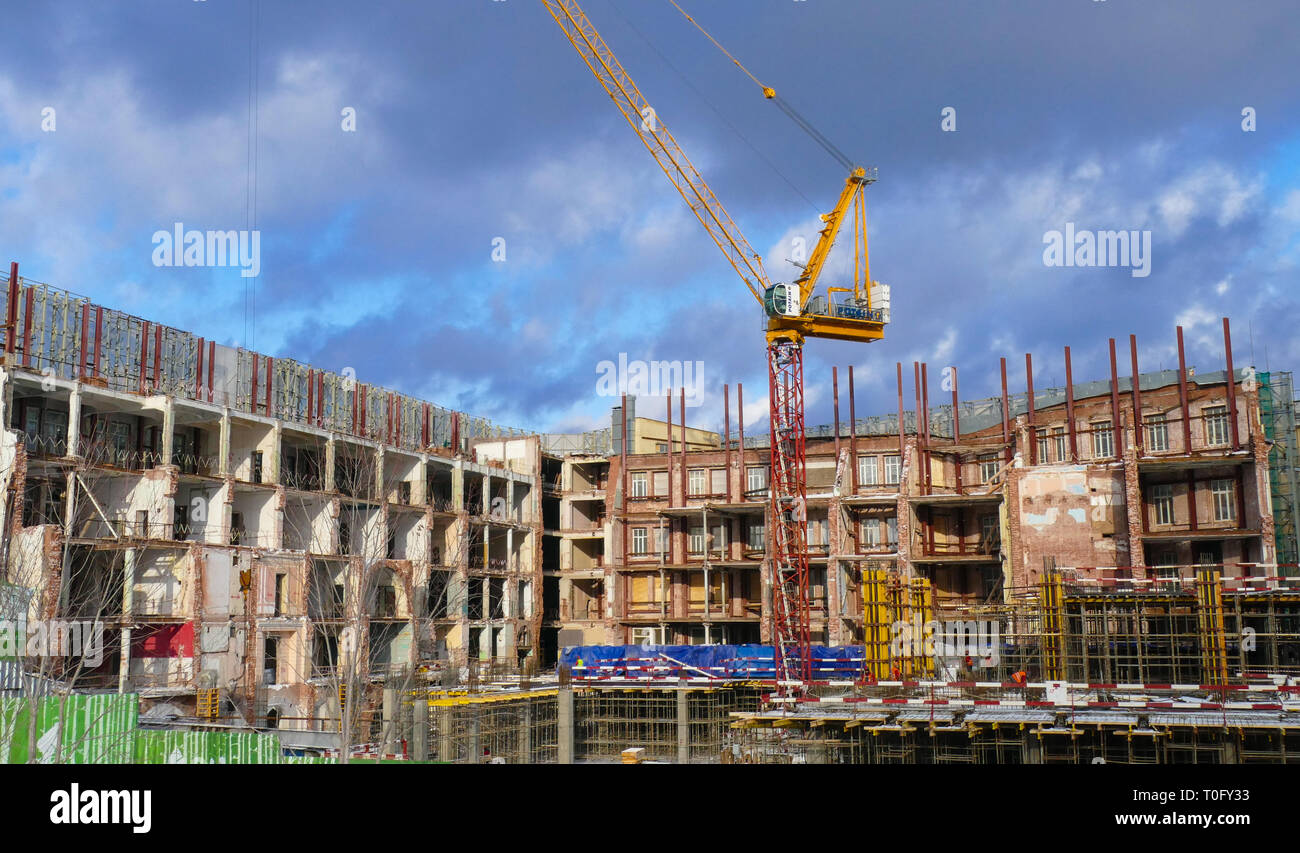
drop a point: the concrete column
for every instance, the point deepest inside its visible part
(390, 721)
(124, 667)
(74, 421)
(331, 455)
(526, 733)
(420, 729)
(1032, 749)
(1231, 748)
(476, 737)
(271, 461)
(564, 724)
(223, 445)
(683, 726)
(446, 751)
(169, 430)
(458, 486)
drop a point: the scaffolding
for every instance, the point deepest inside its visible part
(507, 728)
(672, 724)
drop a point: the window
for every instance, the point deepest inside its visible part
(879, 533)
(818, 533)
(718, 481)
(868, 470)
(990, 534)
(893, 469)
(661, 447)
(755, 479)
(1042, 446)
(695, 479)
(640, 539)
(717, 540)
(640, 484)
(695, 540)
(661, 484)
(270, 661)
(1225, 505)
(119, 437)
(281, 593)
(755, 536)
(1162, 498)
(1103, 440)
(257, 466)
(989, 469)
(1058, 439)
(1157, 433)
(1216, 425)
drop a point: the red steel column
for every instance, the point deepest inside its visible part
(99, 339)
(11, 321)
(683, 442)
(269, 382)
(902, 442)
(1182, 395)
(144, 352)
(1116, 431)
(740, 428)
(1138, 439)
(364, 401)
(835, 395)
(1232, 381)
(853, 437)
(1006, 415)
(726, 436)
(956, 430)
(157, 356)
(1033, 429)
(956, 415)
(198, 373)
(1069, 407)
(85, 335)
(925, 426)
(668, 417)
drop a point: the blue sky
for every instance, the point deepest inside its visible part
(476, 120)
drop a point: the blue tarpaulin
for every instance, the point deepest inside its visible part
(713, 661)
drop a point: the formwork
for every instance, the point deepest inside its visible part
(506, 728)
(1190, 625)
(672, 724)
(1015, 738)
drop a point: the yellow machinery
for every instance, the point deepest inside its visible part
(794, 312)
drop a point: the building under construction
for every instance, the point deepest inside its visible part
(1103, 570)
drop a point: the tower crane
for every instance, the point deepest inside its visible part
(793, 311)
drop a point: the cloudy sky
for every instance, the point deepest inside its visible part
(476, 123)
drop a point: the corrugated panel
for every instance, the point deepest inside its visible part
(73, 729)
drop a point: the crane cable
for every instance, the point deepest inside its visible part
(770, 94)
(721, 116)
